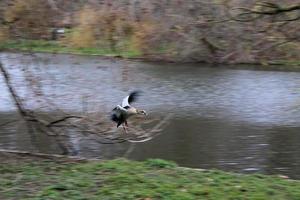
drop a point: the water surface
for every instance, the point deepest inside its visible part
(236, 120)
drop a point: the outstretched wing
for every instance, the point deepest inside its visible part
(130, 98)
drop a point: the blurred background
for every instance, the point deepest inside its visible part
(223, 31)
(226, 70)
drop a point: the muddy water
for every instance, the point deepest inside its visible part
(237, 120)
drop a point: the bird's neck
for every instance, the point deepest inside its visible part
(132, 111)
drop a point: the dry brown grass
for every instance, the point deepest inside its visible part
(84, 34)
(146, 36)
(31, 19)
(100, 28)
(112, 29)
(4, 33)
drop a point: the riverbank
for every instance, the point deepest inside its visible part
(38, 177)
(43, 46)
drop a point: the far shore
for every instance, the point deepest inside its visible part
(53, 47)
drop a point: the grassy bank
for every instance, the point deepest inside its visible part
(57, 47)
(123, 179)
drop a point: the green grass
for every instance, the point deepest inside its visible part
(286, 62)
(123, 179)
(57, 47)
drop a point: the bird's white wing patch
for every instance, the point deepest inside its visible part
(125, 102)
(121, 108)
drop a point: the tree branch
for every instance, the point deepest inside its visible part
(265, 8)
(12, 91)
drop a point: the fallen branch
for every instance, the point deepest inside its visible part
(9, 122)
(62, 120)
(152, 133)
(46, 156)
(88, 126)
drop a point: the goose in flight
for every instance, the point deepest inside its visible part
(120, 114)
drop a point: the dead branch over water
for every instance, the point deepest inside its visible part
(56, 157)
(92, 126)
(13, 93)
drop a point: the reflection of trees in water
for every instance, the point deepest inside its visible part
(284, 151)
(205, 148)
(226, 146)
(125, 73)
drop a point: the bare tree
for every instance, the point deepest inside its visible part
(276, 24)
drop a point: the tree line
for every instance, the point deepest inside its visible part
(230, 31)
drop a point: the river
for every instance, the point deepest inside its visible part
(231, 119)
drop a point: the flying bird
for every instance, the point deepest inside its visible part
(121, 113)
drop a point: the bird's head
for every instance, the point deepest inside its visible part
(141, 112)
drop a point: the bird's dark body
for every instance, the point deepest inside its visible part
(121, 113)
(118, 117)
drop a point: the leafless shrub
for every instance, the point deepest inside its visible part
(100, 28)
(30, 19)
(4, 33)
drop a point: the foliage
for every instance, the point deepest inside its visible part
(123, 179)
(148, 37)
(83, 35)
(31, 19)
(224, 31)
(4, 34)
(113, 29)
(100, 28)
